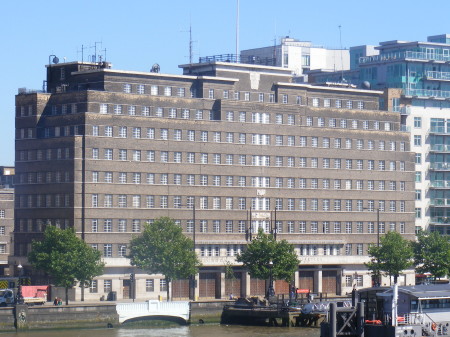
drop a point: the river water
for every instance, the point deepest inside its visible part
(182, 331)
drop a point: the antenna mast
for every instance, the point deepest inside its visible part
(190, 44)
(342, 62)
(237, 31)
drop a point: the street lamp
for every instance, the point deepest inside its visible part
(270, 290)
(378, 281)
(192, 281)
(378, 223)
(19, 287)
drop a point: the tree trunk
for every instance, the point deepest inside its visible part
(168, 289)
(395, 279)
(82, 292)
(67, 295)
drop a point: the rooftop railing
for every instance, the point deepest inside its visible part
(402, 55)
(233, 58)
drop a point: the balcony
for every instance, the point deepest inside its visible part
(440, 130)
(403, 110)
(404, 55)
(427, 93)
(440, 202)
(438, 76)
(444, 148)
(440, 166)
(439, 220)
(439, 184)
(421, 56)
(405, 128)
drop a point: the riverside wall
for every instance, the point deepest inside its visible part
(23, 317)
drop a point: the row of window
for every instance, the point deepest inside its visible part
(240, 226)
(243, 138)
(245, 117)
(245, 95)
(107, 285)
(243, 181)
(290, 204)
(232, 159)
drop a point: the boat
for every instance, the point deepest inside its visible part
(425, 305)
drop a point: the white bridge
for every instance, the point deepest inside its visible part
(177, 311)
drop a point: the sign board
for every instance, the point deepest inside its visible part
(260, 215)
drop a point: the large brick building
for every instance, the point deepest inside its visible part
(105, 151)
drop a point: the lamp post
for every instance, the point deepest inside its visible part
(19, 287)
(192, 281)
(378, 281)
(270, 290)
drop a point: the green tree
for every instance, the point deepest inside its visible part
(432, 254)
(264, 249)
(392, 256)
(66, 258)
(163, 249)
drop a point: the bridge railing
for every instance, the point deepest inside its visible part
(128, 311)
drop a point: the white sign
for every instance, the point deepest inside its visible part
(260, 193)
(261, 215)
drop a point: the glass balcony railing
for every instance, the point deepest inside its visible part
(403, 110)
(440, 202)
(440, 148)
(427, 93)
(439, 220)
(440, 166)
(440, 184)
(430, 56)
(401, 55)
(438, 75)
(405, 128)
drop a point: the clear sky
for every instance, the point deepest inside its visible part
(139, 33)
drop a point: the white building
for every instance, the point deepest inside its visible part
(299, 56)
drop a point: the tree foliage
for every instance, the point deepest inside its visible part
(256, 258)
(66, 258)
(392, 256)
(432, 254)
(163, 249)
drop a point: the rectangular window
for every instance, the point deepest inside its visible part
(93, 288)
(107, 250)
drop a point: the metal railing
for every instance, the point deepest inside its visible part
(427, 93)
(439, 220)
(401, 55)
(440, 166)
(439, 202)
(440, 184)
(440, 148)
(233, 58)
(438, 75)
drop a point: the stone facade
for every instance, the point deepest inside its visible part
(105, 151)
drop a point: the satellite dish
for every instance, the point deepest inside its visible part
(365, 85)
(155, 68)
(55, 60)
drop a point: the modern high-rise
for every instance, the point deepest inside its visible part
(105, 151)
(417, 76)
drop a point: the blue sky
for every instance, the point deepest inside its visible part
(139, 33)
